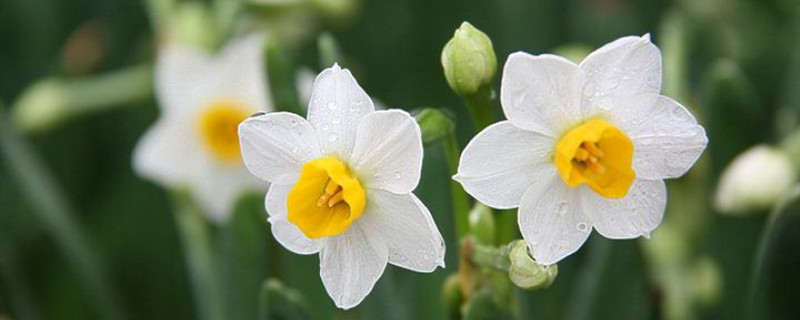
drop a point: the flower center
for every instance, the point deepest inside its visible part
(218, 126)
(326, 198)
(598, 154)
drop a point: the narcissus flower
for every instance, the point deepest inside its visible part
(202, 99)
(341, 185)
(585, 146)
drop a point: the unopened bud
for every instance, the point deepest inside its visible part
(42, 106)
(481, 224)
(468, 59)
(525, 272)
(434, 125)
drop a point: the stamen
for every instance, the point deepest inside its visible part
(595, 167)
(322, 199)
(581, 154)
(593, 149)
(331, 188)
(338, 197)
(332, 196)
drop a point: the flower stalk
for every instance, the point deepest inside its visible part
(195, 237)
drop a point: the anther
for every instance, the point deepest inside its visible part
(338, 197)
(593, 149)
(581, 154)
(595, 167)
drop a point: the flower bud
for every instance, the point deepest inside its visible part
(191, 23)
(481, 224)
(42, 106)
(434, 125)
(525, 272)
(755, 180)
(468, 59)
(452, 297)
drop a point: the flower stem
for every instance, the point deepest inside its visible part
(491, 257)
(479, 106)
(52, 210)
(199, 257)
(588, 283)
(457, 194)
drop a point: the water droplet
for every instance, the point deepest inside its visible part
(293, 123)
(295, 149)
(397, 175)
(332, 137)
(582, 226)
(376, 173)
(646, 235)
(331, 105)
(562, 208)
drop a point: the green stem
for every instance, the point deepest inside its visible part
(479, 106)
(457, 194)
(775, 226)
(491, 257)
(199, 256)
(588, 283)
(51, 209)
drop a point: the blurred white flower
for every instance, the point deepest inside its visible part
(755, 180)
(341, 185)
(585, 146)
(202, 99)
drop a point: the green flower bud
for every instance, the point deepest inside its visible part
(481, 224)
(525, 272)
(43, 105)
(191, 23)
(452, 297)
(706, 281)
(469, 61)
(434, 125)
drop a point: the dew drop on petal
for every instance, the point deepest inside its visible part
(332, 137)
(582, 226)
(562, 208)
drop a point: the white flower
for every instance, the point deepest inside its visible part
(585, 146)
(202, 99)
(755, 180)
(341, 185)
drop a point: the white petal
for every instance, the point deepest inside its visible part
(276, 145)
(503, 161)
(388, 151)
(240, 73)
(350, 264)
(287, 234)
(667, 139)
(551, 220)
(628, 66)
(181, 79)
(407, 228)
(188, 79)
(541, 93)
(337, 105)
(637, 214)
(168, 153)
(217, 188)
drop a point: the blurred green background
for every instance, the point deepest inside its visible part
(735, 63)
